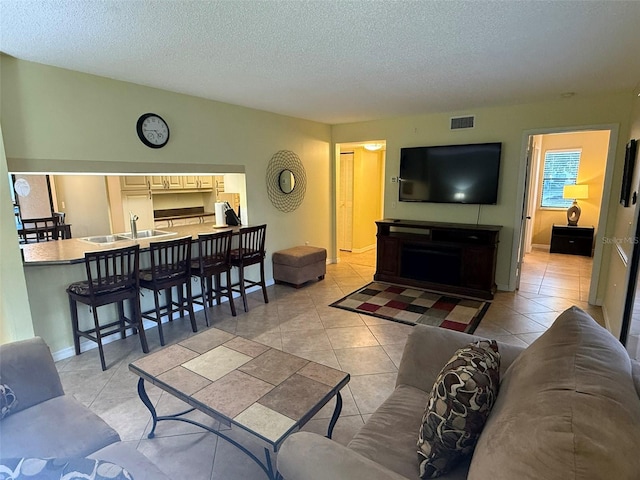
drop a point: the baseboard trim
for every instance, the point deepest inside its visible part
(364, 249)
(541, 246)
(605, 316)
(86, 345)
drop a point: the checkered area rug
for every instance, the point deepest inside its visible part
(411, 305)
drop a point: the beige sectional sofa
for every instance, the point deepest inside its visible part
(568, 408)
(43, 422)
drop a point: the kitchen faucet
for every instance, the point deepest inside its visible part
(134, 228)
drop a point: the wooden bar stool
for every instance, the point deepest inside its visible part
(170, 267)
(250, 252)
(112, 277)
(214, 259)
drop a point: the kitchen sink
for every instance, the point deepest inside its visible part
(146, 234)
(103, 239)
(119, 237)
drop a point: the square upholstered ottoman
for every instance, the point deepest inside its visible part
(298, 265)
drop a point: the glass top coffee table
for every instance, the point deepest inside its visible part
(243, 384)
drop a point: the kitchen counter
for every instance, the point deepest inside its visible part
(49, 268)
(72, 250)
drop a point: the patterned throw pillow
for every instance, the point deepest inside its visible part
(7, 400)
(458, 406)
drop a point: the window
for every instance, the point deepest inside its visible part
(560, 169)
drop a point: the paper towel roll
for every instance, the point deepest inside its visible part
(220, 208)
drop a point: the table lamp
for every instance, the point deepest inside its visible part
(576, 192)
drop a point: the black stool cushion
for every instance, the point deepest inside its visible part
(82, 288)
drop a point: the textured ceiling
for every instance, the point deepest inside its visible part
(338, 61)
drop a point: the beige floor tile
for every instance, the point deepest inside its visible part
(529, 338)
(511, 340)
(391, 333)
(350, 337)
(517, 324)
(523, 305)
(369, 391)
(490, 330)
(365, 361)
(561, 292)
(300, 321)
(312, 340)
(529, 287)
(571, 283)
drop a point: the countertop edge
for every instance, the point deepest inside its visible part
(71, 251)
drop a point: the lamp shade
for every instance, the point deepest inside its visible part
(575, 191)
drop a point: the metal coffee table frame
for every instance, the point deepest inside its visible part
(267, 466)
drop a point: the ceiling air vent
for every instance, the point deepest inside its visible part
(462, 122)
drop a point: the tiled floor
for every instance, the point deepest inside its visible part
(301, 322)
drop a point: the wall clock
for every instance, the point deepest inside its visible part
(152, 130)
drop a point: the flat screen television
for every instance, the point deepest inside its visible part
(450, 173)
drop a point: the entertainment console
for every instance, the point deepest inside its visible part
(449, 257)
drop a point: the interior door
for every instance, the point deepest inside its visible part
(525, 213)
(345, 213)
(532, 197)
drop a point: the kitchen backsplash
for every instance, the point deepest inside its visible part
(169, 201)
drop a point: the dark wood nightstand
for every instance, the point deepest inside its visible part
(572, 240)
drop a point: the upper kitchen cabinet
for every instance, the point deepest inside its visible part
(206, 181)
(134, 182)
(197, 182)
(165, 182)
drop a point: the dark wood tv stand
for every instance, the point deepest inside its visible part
(449, 257)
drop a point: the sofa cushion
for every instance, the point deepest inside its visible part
(459, 403)
(567, 408)
(59, 427)
(8, 400)
(58, 468)
(389, 436)
(27, 366)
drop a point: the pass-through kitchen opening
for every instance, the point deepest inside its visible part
(59, 206)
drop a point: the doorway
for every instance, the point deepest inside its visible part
(359, 194)
(545, 205)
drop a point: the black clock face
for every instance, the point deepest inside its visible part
(152, 130)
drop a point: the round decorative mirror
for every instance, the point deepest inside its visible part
(287, 181)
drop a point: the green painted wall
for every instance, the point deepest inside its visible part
(15, 315)
(509, 125)
(620, 239)
(60, 119)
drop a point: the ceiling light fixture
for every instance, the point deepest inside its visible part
(372, 147)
